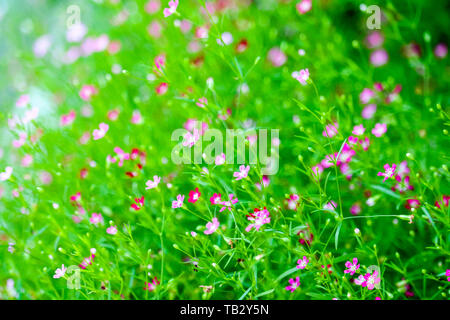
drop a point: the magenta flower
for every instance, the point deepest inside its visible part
(259, 218)
(160, 61)
(194, 195)
(371, 280)
(215, 199)
(304, 6)
(139, 203)
(228, 204)
(317, 171)
(179, 202)
(87, 91)
(151, 286)
(412, 204)
(242, 173)
(447, 274)
(100, 133)
(351, 267)
(331, 206)
(374, 39)
(379, 129)
(88, 261)
(60, 272)
(302, 76)
(355, 209)
(346, 154)
(294, 284)
(302, 263)
(388, 171)
(173, 4)
(112, 230)
(152, 184)
(360, 280)
(211, 227)
(445, 201)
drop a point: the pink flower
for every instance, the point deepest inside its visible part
(277, 57)
(202, 102)
(211, 227)
(265, 182)
(352, 140)
(369, 111)
(242, 173)
(190, 139)
(136, 117)
(113, 114)
(317, 171)
(389, 171)
(258, 218)
(111, 230)
(366, 95)
(152, 184)
(379, 129)
(294, 284)
(358, 130)
(331, 130)
(179, 202)
(403, 169)
(228, 204)
(88, 261)
(412, 204)
(154, 29)
(5, 175)
(440, 51)
(365, 143)
(302, 76)
(23, 101)
(139, 203)
(331, 206)
(402, 186)
(379, 58)
(162, 88)
(292, 201)
(96, 218)
(215, 199)
(220, 159)
(447, 274)
(360, 280)
(444, 201)
(302, 263)
(67, 119)
(194, 195)
(355, 209)
(351, 267)
(87, 91)
(151, 286)
(152, 6)
(60, 272)
(41, 46)
(76, 32)
(173, 4)
(100, 133)
(304, 6)
(374, 39)
(160, 61)
(371, 280)
(346, 154)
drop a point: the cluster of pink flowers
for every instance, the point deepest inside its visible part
(258, 218)
(293, 202)
(379, 94)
